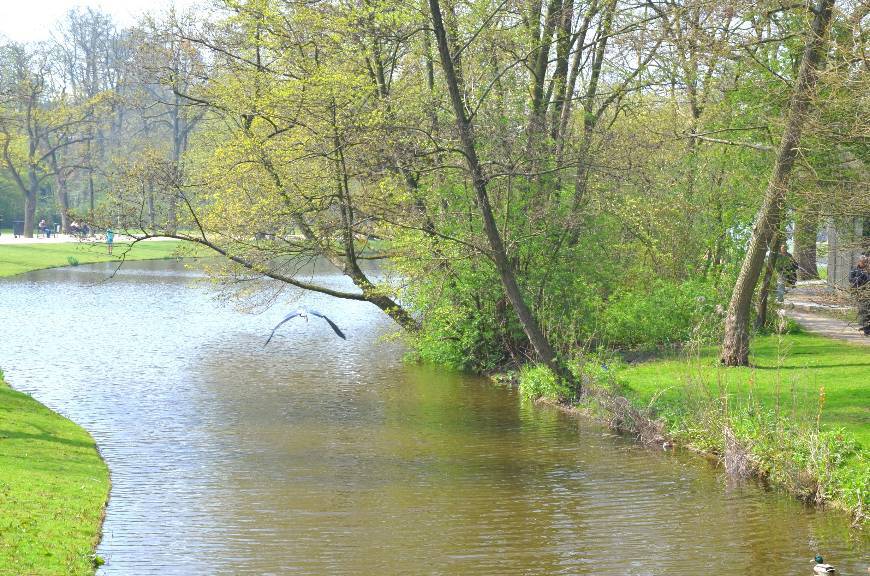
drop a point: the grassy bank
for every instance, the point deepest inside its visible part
(798, 418)
(788, 373)
(53, 489)
(20, 258)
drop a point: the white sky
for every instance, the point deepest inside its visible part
(33, 20)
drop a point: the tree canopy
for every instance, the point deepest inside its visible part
(509, 181)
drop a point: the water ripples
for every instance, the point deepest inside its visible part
(316, 456)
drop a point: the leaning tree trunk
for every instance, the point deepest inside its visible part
(806, 228)
(350, 266)
(764, 293)
(735, 347)
(503, 264)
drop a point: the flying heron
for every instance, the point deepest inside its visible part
(305, 313)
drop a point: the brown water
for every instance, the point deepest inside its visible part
(320, 456)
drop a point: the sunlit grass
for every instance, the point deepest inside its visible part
(788, 373)
(20, 258)
(53, 487)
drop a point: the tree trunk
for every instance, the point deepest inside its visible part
(152, 212)
(93, 202)
(567, 95)
(539, 64)
(530, 326)
(764, 293)
(60, 180)
(806, 229)
(178, 149)
(31, 197)
(560, 74)
(63, 204)
(735, 347)
(590, 119)
(347, 262)
(350, 266)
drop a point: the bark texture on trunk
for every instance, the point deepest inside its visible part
(30, 211)
(61, 175)
(764, 293)
(806, 229)
(505, 269)
(735, 347)
(63, 205)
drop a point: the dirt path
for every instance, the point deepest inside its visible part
(830, 327)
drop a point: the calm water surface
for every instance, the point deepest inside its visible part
(320, 456)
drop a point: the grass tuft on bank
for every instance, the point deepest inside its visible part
(799, 417)
(21, 258)
(53, 490)
(805, 377)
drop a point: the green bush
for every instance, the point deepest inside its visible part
(660, 314)
(538, 381)
(601, 371)
(459, 338)
(789, 327)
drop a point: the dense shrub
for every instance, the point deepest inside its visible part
(661, 314)
(538, 381)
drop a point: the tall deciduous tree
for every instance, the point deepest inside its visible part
(497, 251)
(36, 124)
(735, 347)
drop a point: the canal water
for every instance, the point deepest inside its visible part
(316, 455)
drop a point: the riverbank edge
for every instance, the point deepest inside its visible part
(623, 416)
(92, 559)
(120, 248)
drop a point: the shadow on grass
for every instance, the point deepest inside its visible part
(44, 436)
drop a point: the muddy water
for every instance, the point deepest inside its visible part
(320, 456)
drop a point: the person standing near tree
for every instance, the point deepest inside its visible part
(859, 280)
(787, 266)
(110, 239)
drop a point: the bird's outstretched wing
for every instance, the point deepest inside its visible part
(290, 316)
(330, 322)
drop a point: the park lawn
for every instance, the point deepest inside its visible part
(787, 371)
(53, 489)
(20, 258)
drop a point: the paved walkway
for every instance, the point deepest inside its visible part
(828, 326)
(820, 310)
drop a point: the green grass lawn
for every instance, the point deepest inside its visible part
(787, 372)
(53, 487)
(20, 258)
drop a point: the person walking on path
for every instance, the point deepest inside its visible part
(110, 239)
(859, 280)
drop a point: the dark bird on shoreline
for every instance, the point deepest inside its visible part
(305, 313)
